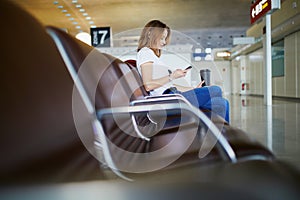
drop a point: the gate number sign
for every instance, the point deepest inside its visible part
(101, 36)
(261, 7)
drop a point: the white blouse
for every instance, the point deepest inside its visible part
(159, 68)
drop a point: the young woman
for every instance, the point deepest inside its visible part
(157, 78)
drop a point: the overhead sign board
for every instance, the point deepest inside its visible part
(101, 37)
(262, 7)
(243, 40)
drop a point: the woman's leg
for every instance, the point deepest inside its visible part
(200, 96)
(209, 98)
(214, 91)
(219, 106)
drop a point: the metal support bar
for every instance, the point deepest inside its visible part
(268, 63)
(175, 106)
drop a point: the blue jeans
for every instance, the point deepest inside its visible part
(209, 98)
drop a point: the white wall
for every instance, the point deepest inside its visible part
(255, 72)
(284, 86)
(235, 76)
(288, 85)
(298, 65)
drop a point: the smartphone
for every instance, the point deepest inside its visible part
(189, 67)
(202, 79)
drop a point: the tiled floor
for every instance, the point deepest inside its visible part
(276, 126)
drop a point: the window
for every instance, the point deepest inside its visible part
(278, 59)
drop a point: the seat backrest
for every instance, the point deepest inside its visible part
(134, 85)
(104, 77)
(132, 65)
(131, 62)
(39, 140)
(107, 81)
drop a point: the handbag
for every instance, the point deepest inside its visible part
(171, 90)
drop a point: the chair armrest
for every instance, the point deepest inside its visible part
(164, 95)
(168, 98)
(156, 100)
(175, 108)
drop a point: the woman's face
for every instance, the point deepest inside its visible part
(162, 40)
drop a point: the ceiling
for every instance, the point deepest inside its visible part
(210, 23)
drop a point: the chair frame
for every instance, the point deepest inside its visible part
(166, 103)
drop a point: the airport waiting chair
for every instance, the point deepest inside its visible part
(110, 86)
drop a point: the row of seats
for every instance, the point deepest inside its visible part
(67, 108)
(109, 82)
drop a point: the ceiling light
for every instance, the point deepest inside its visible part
(64, 11)
(81, 10)
(88, 18)
(84, 37)
(91, 22)
(78, 6)
(223, 54)
(208, 50)
(60, 7)
(93, 26)
(71, 18)
(78, 27)
(85, 14)
(74, 1)
(55, 2)
(68, 15)
(74, 23)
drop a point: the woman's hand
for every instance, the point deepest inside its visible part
(200, 84)
(178, 73)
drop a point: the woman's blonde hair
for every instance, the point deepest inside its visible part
(151, 34)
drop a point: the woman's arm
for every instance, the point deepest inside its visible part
(149, 83)
(184, 88)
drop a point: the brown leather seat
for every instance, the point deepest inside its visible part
(111, 83)
(38, 140)
(132, 66)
